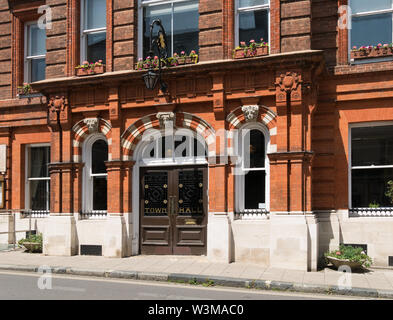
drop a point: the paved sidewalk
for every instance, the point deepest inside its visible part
(375, 283)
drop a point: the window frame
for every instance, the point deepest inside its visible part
(28, 179)
(147, 3)
(364, 14)
(27, 59)
(84, 32)
(350, 168)
(88, 176)
(240, 178)
(248, 9)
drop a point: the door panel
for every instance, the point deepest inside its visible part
(173, 210)
(155, 228)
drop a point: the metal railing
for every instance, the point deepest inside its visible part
(371, 212)
(94, 214)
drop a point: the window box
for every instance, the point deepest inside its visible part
(371, 52)
(252, 50)
(98, 69)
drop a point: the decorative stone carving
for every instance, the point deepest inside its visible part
(289, 82)
(250, 112)
(58, 110)
(92, 124)
(57, 103)
(167, 119)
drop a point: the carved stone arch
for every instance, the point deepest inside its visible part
(258, 113)
(83, 128)
(131, 137)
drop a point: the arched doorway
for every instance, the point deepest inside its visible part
(171, 193)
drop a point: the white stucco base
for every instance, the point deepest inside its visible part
(219, 237)
(60, 236)
(291, 242)
(114, 237)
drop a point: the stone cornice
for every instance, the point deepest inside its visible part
(299, 59)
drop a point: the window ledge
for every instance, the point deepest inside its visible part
(369, 65)
(371, 212)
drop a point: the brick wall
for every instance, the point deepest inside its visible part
(56, 43)
(5, 50)
(295, 25)
(124, 34)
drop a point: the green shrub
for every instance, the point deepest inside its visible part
(35, 238)
(355, 254)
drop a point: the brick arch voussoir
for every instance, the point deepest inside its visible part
(81, 132)
(132, 136)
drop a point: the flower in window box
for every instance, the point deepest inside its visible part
(193, 56)
(182, 58)
(89, 68)
(25, 89)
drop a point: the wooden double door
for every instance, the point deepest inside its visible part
(173, 210)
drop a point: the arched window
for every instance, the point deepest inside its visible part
(95, 175)
(252, 184)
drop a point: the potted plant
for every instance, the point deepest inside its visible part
(262, 48)
(354, 257)
(33, 243)
(193, 56)
(240, 51)
(87, 68)
(25, 89)
(182, 59)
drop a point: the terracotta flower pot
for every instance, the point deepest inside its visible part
(87, 71)
(262, 51)
(181, 60)
(188, 60)
(239, 54)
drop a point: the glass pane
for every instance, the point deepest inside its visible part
(371, 30)
(369, 187)
(162, 12)
(39, 160)
(38, 67)
(254, 149)
(36, 41)
(155, 193)
(254, 192)
(372, 146)
(39, 194)
(99, 193)
(251, 3)
(96, 47)
(95, 14)
(190, 192)
(186, 27)
(254, 25)
(367, 5)
(99, 156)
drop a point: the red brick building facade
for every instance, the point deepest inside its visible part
(314, 106)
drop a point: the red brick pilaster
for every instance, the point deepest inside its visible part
(290, 166)
(115, 187)
(128, 167)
